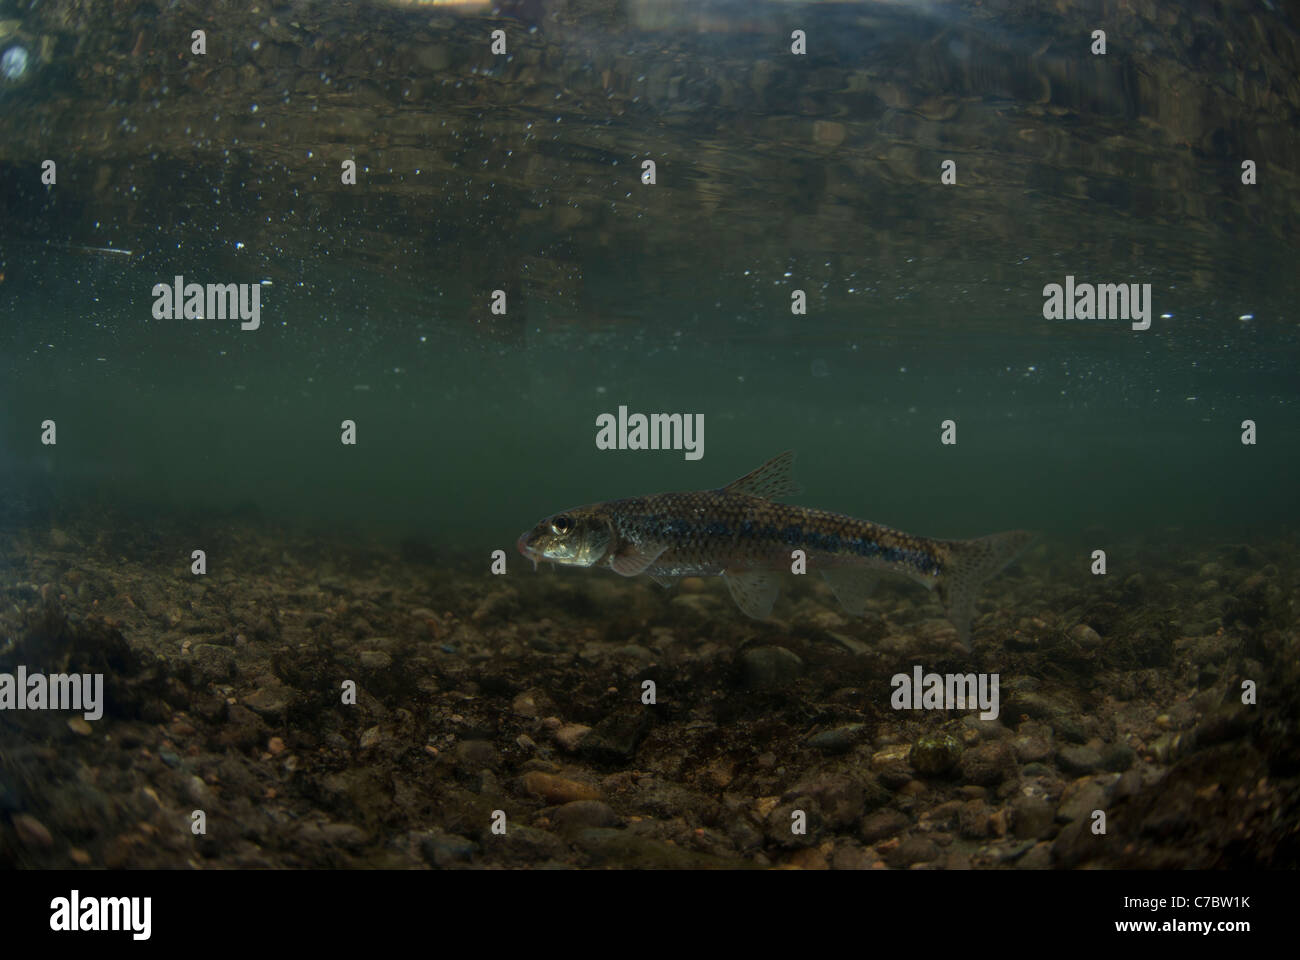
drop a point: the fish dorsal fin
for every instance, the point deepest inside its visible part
(771, 481)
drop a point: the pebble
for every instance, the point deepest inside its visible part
(275, 746)
(973, 820)
(988, 764)
(267, 701)
(1085, 636)
(614, 740)
(1078, 760)
(881, 824)
(837, 740)
(842, 799)
(1118, 757)
(770, 667)
(809, 858)
(571, 735)
(897, 753)
(578, 814)
(375, 660)
(1031, 817)
(850, 857)
(211, 663)
(935, 754)
(371, 737)
(1080, 799)
(524, 705)
(442, 849)
(475, 754)
(555, 789)
(80, 725)
(1031, 748)
(32, 832)
(912, 850)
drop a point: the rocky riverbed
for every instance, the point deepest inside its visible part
(517, 701)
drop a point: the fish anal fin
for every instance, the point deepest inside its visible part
(755, 591)
(771, 481)
(851, 586)
(635, 559)
(970, 565)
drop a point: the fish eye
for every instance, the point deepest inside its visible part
(562, 525)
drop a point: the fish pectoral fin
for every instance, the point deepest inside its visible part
(851, 586)
(632, 560)
(771, 481)
(755, 591)
(664, 581)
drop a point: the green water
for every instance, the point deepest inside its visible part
(775, 173)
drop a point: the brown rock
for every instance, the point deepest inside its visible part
(33, 834)
(555, 789)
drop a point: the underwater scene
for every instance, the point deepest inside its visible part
(649, 434)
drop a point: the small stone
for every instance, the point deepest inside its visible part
(1085, 636)
(897, 753)
(1118, 757)
(882, 824)
(476, 754)
(375, 660)
(1031, 817)
(442, 849)
(836, 740)
(32, 832)
(210, 663)
(809, 858)
(770, 667)
(988, 764)
(78, 856)
(1078, 760)
(973, 820)
(524, 705)
(555, 789)
(267, 701)
(275, 746)
(1080, 799)
(614, 740)
(1038, 857)
(912, 850)
(80, 725)
(935, 754)
(578, 814)
(570, 736)
(371, 738)
(1031, 748)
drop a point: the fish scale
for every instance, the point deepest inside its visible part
(741, 533)
(709, 531)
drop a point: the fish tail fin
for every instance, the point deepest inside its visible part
(971, 564)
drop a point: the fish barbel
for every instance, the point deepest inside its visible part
(740, 533)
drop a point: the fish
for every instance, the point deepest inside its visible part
(742, 533)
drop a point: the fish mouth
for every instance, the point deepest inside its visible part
(525, 549)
